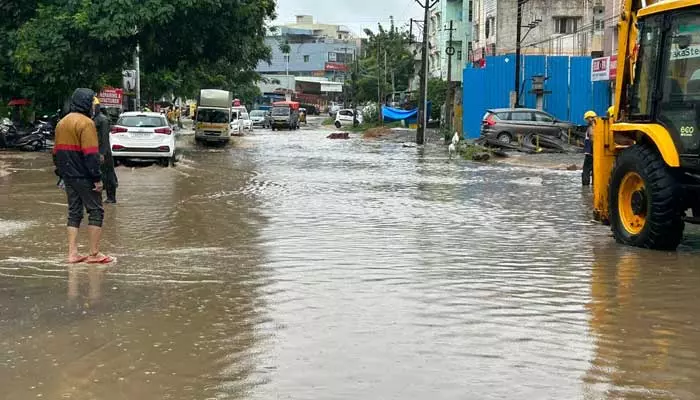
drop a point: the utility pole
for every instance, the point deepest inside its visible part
(518, 25)
(137, 66)
(448, 106)
(379, 85)
(423, 107)
(386, 74)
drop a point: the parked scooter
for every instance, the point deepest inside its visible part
(11, 138)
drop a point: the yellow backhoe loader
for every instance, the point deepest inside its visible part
(646, 154)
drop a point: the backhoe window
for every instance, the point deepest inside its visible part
(680, 100)
(642, 91)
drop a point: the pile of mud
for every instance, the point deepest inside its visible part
(377, 132)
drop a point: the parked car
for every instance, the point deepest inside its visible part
(236, 125)
(247, 122)
(347, 117)
(508, 124)
(333, 109)
(258, 117)
(143, 135)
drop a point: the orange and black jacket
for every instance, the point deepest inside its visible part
(76, 151)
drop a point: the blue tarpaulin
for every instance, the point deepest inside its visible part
(397, 114)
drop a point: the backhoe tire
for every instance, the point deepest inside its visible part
(645, 206)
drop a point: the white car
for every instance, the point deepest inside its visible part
(247, 122)
(143, 135)
(347, 117)
(259, 118)
(237, 126)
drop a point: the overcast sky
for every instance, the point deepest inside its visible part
(356, 14)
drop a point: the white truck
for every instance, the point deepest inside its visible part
(213, 116)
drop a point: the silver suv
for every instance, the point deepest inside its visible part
(508, 125)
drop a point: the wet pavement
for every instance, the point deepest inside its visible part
(291, 266)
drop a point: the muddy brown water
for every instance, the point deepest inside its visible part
(295, 267)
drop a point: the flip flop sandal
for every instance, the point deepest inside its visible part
(102, 260)
(78, 260)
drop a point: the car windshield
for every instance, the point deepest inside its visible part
(141, 121)
(280, 111)
(257, 113)
(212, 116)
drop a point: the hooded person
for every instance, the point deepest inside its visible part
(77, 159)
(109, 176)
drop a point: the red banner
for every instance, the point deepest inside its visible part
(331, 66)
(111, 97)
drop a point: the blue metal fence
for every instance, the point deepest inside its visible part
(569, 80)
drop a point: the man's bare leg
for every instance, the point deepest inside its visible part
(73, 255)
(94, 236)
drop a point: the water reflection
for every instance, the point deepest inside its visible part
(95, 279)
(646, 324)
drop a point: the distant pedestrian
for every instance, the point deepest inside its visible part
(109, 176)
(587, 172)
(77, 159)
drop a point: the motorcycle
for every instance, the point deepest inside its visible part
(11, 138)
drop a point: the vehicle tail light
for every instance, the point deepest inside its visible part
(164, 148)
(490, 121)
(117, 147)
(119, 129)
(164, 131)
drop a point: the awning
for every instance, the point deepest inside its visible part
(19, 102)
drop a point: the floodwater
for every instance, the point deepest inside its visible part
(289, 266)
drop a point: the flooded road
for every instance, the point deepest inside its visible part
(295, 267)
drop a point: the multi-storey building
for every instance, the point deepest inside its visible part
(552, 27)
(308, 49)
(461, 13)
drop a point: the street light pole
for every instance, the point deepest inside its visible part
(137, 66)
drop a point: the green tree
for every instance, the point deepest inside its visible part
(184, 45)
(372, 73)
(437, 94)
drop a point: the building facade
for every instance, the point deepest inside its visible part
(461, 13)
(314, 50)
(549, 27)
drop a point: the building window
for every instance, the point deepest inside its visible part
(493, 49)
(306, 59)
(470, 49)
(331, 57)
(565, 24)
(600, 25)
(340, 36)
(476, 32)
(459, 55)
(471, 10)
(459, 15)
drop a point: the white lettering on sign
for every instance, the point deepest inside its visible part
(689, 52)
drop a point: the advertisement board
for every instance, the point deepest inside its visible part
(110, 97)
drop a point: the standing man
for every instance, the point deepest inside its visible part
(109, 177)
(77, 159)
(590, 117)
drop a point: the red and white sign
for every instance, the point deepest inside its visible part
(111, 97)
(600, 69)
(603, 68)
(332, 66)
(613, 67)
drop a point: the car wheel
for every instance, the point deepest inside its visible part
(338, 124)
(504, 137)
(164, 162)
